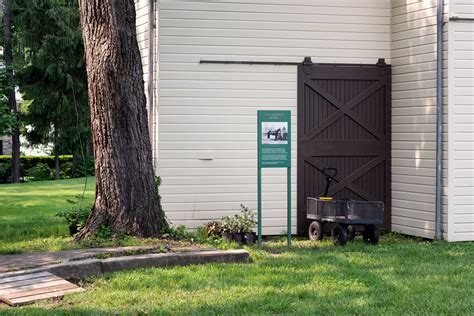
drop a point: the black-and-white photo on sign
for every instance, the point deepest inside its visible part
(275, 133)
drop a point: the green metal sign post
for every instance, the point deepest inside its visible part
(274, 151)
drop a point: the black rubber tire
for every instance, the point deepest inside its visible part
(339, 235)
(351, 232)
(371, 235)
(315, 231)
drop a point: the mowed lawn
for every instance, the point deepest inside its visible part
(399, 276)
(27, 214)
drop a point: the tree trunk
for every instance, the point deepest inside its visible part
(89, 149)
(1, 12)
(125, 197)
(8, 53)
(76, 157)
(57, 171)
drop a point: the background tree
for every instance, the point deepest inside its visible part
(8, 119)
(6, 116)
(8, 55)
(51, 71)
(125, 197)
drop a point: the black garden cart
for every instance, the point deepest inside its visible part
(345, 215)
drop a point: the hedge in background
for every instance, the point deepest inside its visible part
(35, 168)
(29, 162)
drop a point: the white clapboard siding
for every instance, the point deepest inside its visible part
(142, 23)
(414, 118)
(461, 121)
(207, 129)
(462, 8)
(141, 7)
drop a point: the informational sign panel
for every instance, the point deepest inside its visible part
(274, 151)
(274, 135)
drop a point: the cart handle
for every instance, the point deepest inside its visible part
(330, 174)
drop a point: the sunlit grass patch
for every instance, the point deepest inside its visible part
(28, 220)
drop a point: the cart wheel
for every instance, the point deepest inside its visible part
(351, 232)
(339, 235)
(315, 231)
(371, 235)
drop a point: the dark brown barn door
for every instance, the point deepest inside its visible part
(344, 118)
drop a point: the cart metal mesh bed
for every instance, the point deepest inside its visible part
(345, 211)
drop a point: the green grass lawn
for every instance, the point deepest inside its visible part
(399, 276)
(27, 214)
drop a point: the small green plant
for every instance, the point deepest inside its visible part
(104, 233)
(40, 172)
(239, 223)
(227, 228)
(179, 232)
(76, 216)
(165, 224)
(229, 224)
(213, 229)
(66, 170)
(247, 219)
(240, 226)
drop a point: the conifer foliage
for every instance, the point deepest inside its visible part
(8, 119)
(49, 62)
(10, 86)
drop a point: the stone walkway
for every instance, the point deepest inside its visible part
(24, 261)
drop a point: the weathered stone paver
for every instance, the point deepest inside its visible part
(17, 262)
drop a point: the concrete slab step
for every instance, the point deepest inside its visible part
(74, 270)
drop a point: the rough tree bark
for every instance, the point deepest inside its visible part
(8, 54)
(125, 197)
